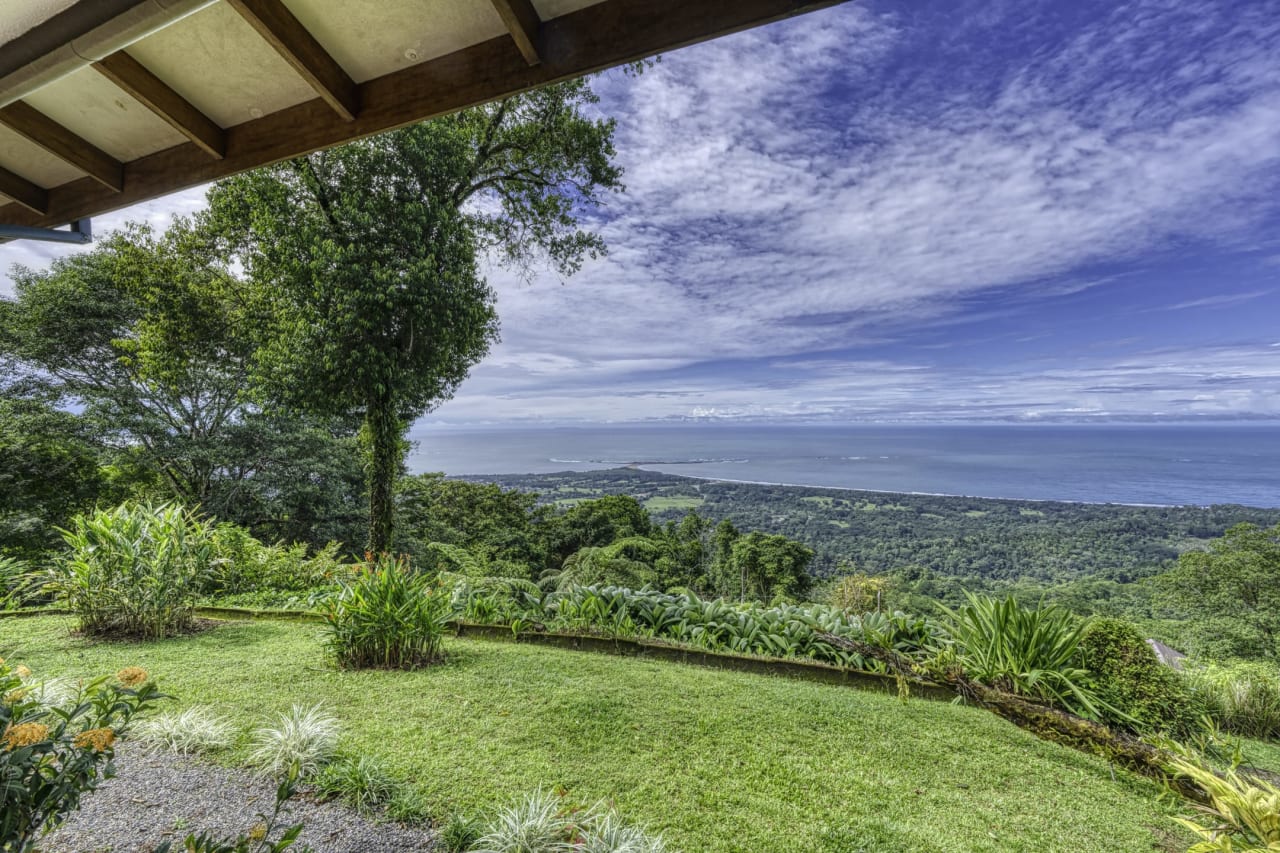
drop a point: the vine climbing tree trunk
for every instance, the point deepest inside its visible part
(382, 429)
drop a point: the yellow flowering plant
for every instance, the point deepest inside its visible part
(51, 755)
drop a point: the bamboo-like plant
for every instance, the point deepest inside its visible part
(389, 617)
(1242, 815)
(134, 570)
(1030, 651)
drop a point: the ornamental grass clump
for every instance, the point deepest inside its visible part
(388, 617)
(194, 730)
(300, 743)
(51, 756)
(135, 570)
(543, 822)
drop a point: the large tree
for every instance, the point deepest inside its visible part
(1231, 593)
(370, 254)
(145, 343)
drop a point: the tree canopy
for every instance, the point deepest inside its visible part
(370, 256)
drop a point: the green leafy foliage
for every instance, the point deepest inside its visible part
(243, 564)
(1232, 591)
(1030, 651)
(1127, 676)
(151, 339)
(1242, 816)
(50, 471)
(359, 781)
(389, 617)
(368, 253)
(783, 631)
(498, 528)
(1242, 697)
(135, 570)
(52, 755)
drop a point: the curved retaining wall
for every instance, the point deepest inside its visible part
(624, 646)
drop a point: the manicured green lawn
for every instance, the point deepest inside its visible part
(717, 761)
(662, 504)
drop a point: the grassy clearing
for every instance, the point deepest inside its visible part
(821, 500)
(664, 503)
(1264, 754)
(717, 761)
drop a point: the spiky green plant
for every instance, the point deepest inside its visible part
(1242, 815)
(134, 570)
(536, 824)
(300, 742)
(544, 823)
(1030, 651)
(359, 781)
(389, 617)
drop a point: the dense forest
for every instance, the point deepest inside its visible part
(876, 532)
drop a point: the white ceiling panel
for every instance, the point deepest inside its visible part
(18, 16)
(92, 107)
(23, 157)
(222, 66)
(370, 38)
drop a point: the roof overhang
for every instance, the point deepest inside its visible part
(108, 103)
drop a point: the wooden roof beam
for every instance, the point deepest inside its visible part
(24, 192)
(62, 143)
(595, 37)
(133, 77)
(279, 28)
(524, 25)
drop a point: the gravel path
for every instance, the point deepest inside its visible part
(163, 797)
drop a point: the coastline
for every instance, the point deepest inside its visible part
(812, 487)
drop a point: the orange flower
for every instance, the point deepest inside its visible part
(96, 739)
(131, 676)
(13, 697)
(22, 671)
(24, 734)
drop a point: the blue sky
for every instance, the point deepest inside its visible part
(935, 211)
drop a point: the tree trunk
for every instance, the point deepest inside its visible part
(383, 433)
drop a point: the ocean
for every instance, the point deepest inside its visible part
(1130, 464)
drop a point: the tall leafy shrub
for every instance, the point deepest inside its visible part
(1129, 678)
(388, 617)
(1244, 698)
(1030, 651)
(135, 570)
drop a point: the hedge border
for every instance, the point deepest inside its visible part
(814, 671)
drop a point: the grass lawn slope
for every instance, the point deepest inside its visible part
(716, 761)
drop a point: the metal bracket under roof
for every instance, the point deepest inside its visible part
(80, 232)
